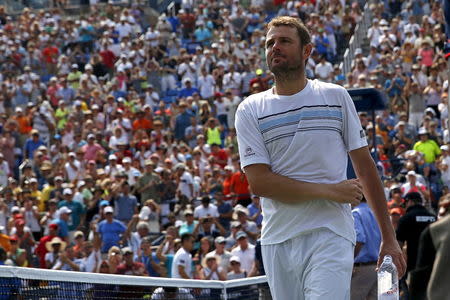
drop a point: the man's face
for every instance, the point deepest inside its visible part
(189, 244)
(283, 51)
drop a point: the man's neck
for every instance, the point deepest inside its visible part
(290, 87)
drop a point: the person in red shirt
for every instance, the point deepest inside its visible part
(41, 250)
(142, 122)
(187, 20)
(108, 58)
(50, 54)
(240, 188)
(129, 266)
(220, 155)
(227, 182)
(396, 200)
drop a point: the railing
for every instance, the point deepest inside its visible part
(357, 39)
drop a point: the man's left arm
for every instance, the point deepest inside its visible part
(366, 172)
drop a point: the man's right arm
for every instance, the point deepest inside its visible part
(182, 272)
(262, 182)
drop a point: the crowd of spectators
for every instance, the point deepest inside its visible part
(117, 131)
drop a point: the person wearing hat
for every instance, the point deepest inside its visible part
(124, 202)
(411, 225)
(415, 98)
(171, 293)
(113, 168)
(92, 149)
(189, 225)
(32, 144)
(397, 200)
(221, 253)
(110, 230)
(247, 226)
(412, 185)
(62, 218)
(182, 121)
(212, 269)
(78, 212)
(131, 172)
(129, 266)
(429, 148)
(147, 185)
(41, 249)
(374, 33)
(235, 270)
(54, 248)
(186, 181)
(245, 251)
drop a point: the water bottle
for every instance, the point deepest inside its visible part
(387, 280)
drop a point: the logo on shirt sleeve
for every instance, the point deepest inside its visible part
(362, 134)
(249, 151)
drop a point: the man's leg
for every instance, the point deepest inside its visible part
(283, 282)
(328, 270)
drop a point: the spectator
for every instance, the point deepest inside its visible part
(110, 230)
(245, 251)
(182, 261)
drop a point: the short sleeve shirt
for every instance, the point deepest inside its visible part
(306, 137)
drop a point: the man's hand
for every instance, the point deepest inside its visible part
(392, 248)
(348, 191)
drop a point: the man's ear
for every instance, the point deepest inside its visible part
(307, 49)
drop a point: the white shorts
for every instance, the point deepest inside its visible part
(312, 266)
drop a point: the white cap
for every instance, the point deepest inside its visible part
(235, 258)
(145, 213)
(358, 51)
(178, 223)
(74, 66)
(81, 183)
(108, 209)
(112, 157)
(88, 67)
(444, 147)
(64, 210)
(412, 173)
(126, 160)
(15, 209)
(67, 191)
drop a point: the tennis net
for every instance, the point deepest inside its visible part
(40, 284)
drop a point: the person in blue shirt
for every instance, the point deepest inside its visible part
(182, 121)
(125, 204)
(149, 258)
(322, 43)
(254, 211)
(368, 239)
(224, 209)
(110, 230)
(189, 90)
(78, 211)
(62, 219)
(202, 34)
(395, 83)
(32, 144)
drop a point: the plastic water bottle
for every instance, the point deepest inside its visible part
(387, 280)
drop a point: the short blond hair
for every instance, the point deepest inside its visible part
(302, 31)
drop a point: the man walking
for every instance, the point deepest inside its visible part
(293, 143)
